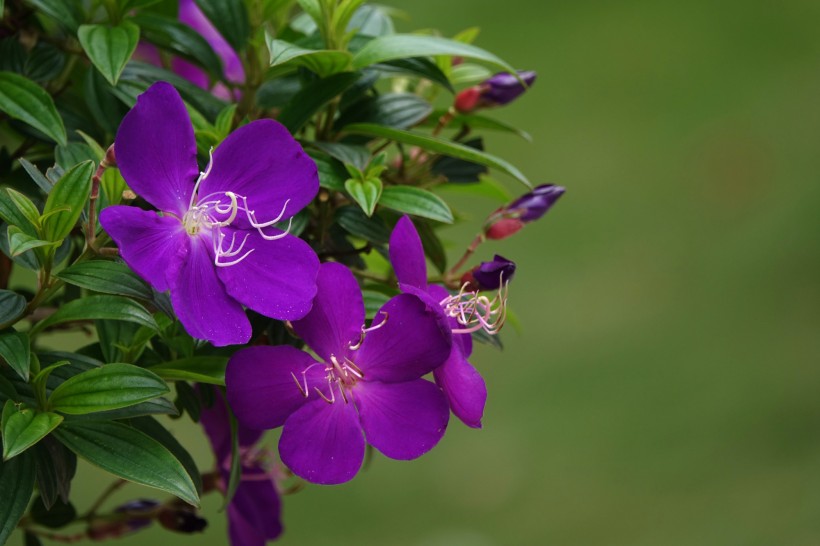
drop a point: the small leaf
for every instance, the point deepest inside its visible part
(65, 13)
(24, 427)
(99, 307)
(312, 97)
(18, 210)
(417, 201)
(365, 192)
(400, 110)
(12, 306)
(323, 62)
(17, 485)
(35, 174)
(23, 99)
(20, 242)
(109, 48)
(224, 120)
(349, 154)
(332, 174)
(72, 191)
(438, 145)
(202, 369)
(230, 18)
(15, 350)
(401, 46)
(56, 466)
(107, 277)
(109, 387)
(355, 222)
(129, 454)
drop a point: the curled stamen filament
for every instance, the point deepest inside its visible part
(355, 346)
(475, 311)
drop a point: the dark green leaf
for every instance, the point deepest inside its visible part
(477, 121)
(202, 369)
(109, 387)
(401, 110)
(129, 454)
(14, 348)
(355, 222)
(107, 277)
(155, 430)
(60, 514)
(438, 145)
(401, 46)
(65, 13)
(17, 485)
(349, 154)
(23, 99)
(365, 192)
(109, 48)
(416, 201)
(178, 38)
(12, 305)
(312, 97)
(36, 175)
(99, 307)
(56, 466)
(235, 474)
(230, 18)
(485, 187)
(187, 400)
(74, 152)
(332, 174)
(23, 427)
(460, 170)
(20, 242)
(44, 62)
(323, 62)
(70, 191)
(157, 406)
(420, 67)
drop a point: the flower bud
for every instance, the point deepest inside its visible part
(181, 518)
(498, 90)
(529, 207)
(494, 274)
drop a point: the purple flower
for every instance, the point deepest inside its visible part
(255, 512)
(497, 90)
(367, 382)
(213, 245)
(494, 274)
(529, 207)
(192, 16)
(462, 384)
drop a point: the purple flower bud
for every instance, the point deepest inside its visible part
(503, 88)
(535, 204)
(493, 274)
(181, 518)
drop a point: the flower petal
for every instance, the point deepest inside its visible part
(152, 245)
(402, 420)
(255, 513)
(264, 164)
(437, 294)
(156, 150)
(463, 386)
(322, 443)
(411, 341)
(191, 15)
(217, 425)
(277, 279)
(201, 303)
(260, 387)
(407, 254)
(337, 315)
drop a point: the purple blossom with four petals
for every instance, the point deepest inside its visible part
(460, 381)
(255, 512)
(214, 244)
(367, 386)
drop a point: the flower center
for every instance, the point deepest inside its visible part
(475, 311)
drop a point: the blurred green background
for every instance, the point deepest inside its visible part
(664, 388)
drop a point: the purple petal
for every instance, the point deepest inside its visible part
(190, 72)
(255, 514)
(152, 245)
(407, 254)
(402, 420)
(465, 341)
(201, 303)
(192, 16)
(156, 150)
(260, 387)
(322, 443)
(337, 315)
(277, 279)
(217, 425)
(410, 343)
(464, 388)
(262, 163)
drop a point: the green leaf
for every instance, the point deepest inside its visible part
(107, 277)
(178, 38)
(129, 454)
(56, 466)
(420, 67)
(109, 387)
(35, 174)
(65, 13)
(72, 191)
(202, 369)
(365, 192)
(224, 121)
(477, 121)
(15, 350)
(230, 18)
(401, 110)
(235, 474)
(401, 46)
(17, 210)
(373, 301)
(24, 427)
(12, 305)
(99, 307)
(355, 222)
(23, 99)
(332, 174)
(20, 242)
(109, 48)
(312, 97)
(155, 430)
(485, 187)
(157, 406)
(323, 62)
(416, 201)
(17, 485)
(349, 154)
(438, 145)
